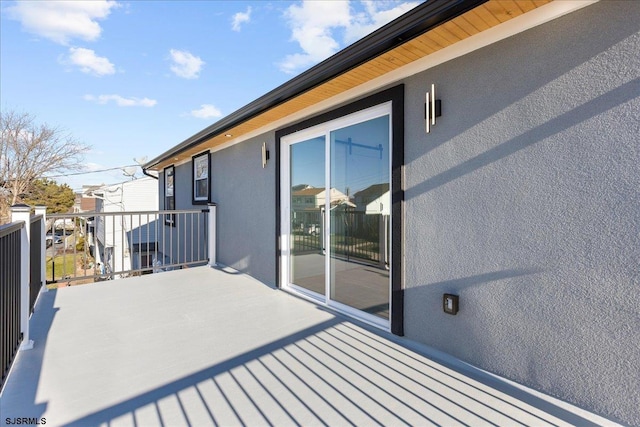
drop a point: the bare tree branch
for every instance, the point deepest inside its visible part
(29, 151)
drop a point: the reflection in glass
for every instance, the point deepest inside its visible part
(307, 214)
(359, 216)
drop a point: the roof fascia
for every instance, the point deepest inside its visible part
(417, 21)
(531, 19)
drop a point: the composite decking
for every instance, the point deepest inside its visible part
(205, 346)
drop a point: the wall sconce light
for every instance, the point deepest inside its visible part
(265, 155)
(432, 108)
(450, 303)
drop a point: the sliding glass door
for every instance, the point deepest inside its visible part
(306, 218)
(337, 206)
(358, 264)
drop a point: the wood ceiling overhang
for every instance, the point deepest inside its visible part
(478, 17)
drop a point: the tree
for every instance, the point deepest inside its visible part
(58, 198)
(28, 152)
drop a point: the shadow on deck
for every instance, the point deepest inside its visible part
(203, 347)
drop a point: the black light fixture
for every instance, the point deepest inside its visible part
(432, 108)
(450, 303)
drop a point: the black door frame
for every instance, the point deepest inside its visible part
(396, 96)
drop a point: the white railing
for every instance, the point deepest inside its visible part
(88, 247)
(21, 280)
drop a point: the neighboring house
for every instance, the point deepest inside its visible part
(308, 204)
(83, 203)
(125, 242)
(76, 203)
(521, 199)
(375, 199)
(315, 198)
(88, 204)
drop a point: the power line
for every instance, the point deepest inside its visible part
(87, 172)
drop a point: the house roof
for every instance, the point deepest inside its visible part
(373, 191)
(423, 31)
(308, 192)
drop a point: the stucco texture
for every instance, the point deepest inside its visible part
(245, 194)
(524, 201)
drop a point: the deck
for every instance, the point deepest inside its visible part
(206, 346)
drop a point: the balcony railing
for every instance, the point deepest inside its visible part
(36, 228)
(92, 247)
(10, 280)
(355, 235)
(89, 247)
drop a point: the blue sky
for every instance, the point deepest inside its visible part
(132, 79)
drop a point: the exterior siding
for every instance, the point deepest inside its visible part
(524, 201)
(245, 195)
(130, 196)
(185, 241)
(183, 187)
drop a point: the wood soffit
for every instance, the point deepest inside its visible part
(479, 19)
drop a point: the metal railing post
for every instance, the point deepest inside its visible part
(23, 213)
(212, 234)
(42, 210)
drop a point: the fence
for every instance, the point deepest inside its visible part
(101, 246)
(353, 235)
(10, 294)
(35, 259)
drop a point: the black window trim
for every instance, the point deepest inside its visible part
(193, 179)
(169, 219)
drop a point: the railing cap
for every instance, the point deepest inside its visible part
(20, 207)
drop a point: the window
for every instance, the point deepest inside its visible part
(201, 175)
(169, 196)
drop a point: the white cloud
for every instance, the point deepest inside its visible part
(185, 64)
(92, 167)
(375, 15)
(62, 21)
(311, 25)
(89, 62)
(240, 18)
(318, 25)
(121, 101)
(206, 111)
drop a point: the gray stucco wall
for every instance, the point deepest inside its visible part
(182, 183)
(524, 200)
(245, 195)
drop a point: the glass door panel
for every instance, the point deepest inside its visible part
(307, 202)
(360, 207)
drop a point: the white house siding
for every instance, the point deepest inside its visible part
(524, 200)
(116, 232)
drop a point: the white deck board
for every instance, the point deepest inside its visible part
(204, 346)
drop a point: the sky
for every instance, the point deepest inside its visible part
(133, 79)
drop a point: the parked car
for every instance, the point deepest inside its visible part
(52, 239)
